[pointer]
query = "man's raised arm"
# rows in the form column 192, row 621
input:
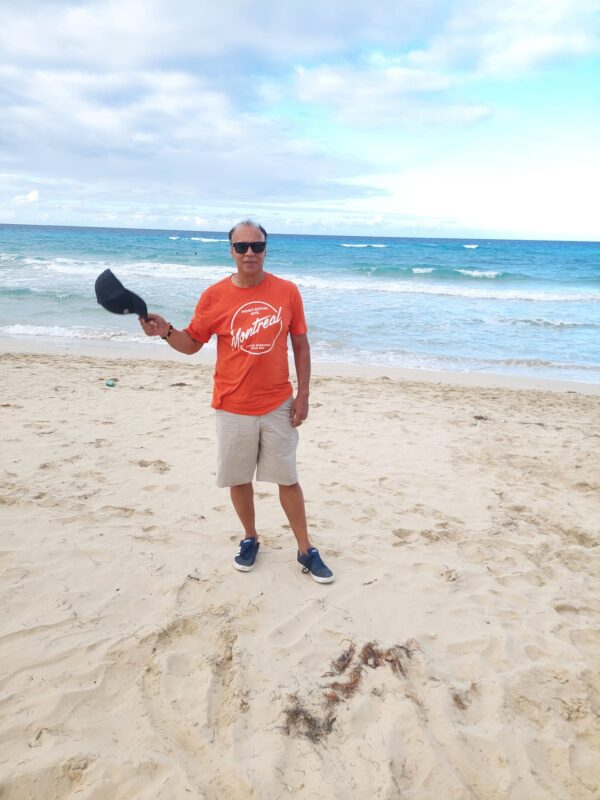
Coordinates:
column 181, row 341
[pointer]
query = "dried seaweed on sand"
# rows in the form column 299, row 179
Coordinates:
column 318, row 723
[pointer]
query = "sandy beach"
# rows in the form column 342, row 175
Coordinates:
column 454, row 658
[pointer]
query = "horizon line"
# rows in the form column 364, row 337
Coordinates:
column 314, row 235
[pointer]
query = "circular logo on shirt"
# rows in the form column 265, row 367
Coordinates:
column 255, row 327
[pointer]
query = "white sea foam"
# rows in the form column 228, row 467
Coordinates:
column 173, row 238
column 204, row 239
column 164, row 269
column 139, row 276
column 401, row 287
column 75, row 332
column 422, row 270
column 363, row 245
column 79, row 332
column 124, row 271
column 471, row 246
column 474, row 273
column 539, row 322
column 66, row 266
column 541, row 362
column 323, row 351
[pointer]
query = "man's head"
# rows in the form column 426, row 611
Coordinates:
column 248, row 250
column 251, row 224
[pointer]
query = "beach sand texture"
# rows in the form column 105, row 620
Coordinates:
column 455, row 657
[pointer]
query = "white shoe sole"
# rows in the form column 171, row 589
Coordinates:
column 320, row 580
column 242, row 568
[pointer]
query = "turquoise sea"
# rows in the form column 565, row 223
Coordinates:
column 514, row 307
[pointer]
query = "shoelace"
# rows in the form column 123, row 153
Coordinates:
column 312, row 558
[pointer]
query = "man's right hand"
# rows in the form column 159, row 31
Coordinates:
column 155, row 325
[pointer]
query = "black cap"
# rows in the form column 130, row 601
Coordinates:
column 113, row 296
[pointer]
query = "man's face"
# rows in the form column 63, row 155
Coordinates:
column 249, row 265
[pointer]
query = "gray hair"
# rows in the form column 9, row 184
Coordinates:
column 248, row 222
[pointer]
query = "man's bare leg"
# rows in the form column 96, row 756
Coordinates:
column 292, row 502
column 242, row 497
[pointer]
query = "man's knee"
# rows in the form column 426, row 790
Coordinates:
column 242, row 487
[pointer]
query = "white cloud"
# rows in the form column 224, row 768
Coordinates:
column 215, row 109
column 145, row 128
column 380, row 96
column 535, row 193
column 136, row 33
column 30, row 197
column 478, row 40
column 115, row 110
column 509, row 38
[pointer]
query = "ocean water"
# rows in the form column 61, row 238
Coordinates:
column 514, row 307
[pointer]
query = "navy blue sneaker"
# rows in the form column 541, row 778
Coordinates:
column 246, row 555
column 313, row 563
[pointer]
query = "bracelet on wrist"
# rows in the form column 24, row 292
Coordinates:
column 170, row 331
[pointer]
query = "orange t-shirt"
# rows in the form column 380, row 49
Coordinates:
column 252, row 326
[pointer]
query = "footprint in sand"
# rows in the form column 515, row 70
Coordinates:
column 156, row 466
column 404, row 536
column 389, row 485
column 193, row 695
column 450, row 575
column 119, row 511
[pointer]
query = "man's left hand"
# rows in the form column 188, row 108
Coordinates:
column 299, row 411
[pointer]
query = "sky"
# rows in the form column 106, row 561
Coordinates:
column 473, row 118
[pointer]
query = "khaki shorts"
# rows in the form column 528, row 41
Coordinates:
column 266, row 444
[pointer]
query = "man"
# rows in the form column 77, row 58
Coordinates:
column 252, row 312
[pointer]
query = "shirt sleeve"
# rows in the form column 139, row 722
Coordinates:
column 298, row 324
column 200, row 325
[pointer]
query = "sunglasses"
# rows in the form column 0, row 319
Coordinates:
column 242, row 247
